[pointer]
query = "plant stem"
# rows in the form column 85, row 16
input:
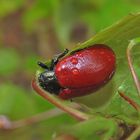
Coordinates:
column 134, row 75
column 37, row 118
column 60, row 103
column 130, row 101
column 6, row 124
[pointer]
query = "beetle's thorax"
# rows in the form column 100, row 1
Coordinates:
column 48, row 81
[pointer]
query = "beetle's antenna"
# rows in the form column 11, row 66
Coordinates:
column 42, row 65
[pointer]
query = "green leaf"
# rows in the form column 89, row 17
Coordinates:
column 117, row 105
column 103, row 15
column 98, row 127
column 117, row 37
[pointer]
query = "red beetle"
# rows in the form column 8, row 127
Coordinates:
column 81, row 73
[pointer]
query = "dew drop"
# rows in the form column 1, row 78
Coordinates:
column 59, row 69
column 74, row 61
column 81, row 55
column 75, row 71
column 63, row 66
column 102, row 52
column 67, row 91
column 109, row 59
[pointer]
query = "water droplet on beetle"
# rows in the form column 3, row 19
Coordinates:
column 81, row 55
column 109, row 59
column 63, row 66
column 59, row 69
column 67, row 91
column 75, row 71
column 74, row 61
column 102, row 52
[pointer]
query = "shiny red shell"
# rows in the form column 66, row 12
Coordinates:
column 85, row 71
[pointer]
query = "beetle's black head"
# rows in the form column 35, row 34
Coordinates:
column 47, row 80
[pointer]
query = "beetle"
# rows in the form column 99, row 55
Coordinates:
column 80, row 73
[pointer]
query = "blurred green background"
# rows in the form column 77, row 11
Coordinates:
column 32, row 30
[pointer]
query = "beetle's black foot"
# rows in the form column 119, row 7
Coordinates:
column 65, row 51
column 42, row 65
column 57, row 57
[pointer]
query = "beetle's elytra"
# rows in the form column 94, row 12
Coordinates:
column 79, row 74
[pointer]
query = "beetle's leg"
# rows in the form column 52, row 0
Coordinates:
column 57, row 57
column 42, row 65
